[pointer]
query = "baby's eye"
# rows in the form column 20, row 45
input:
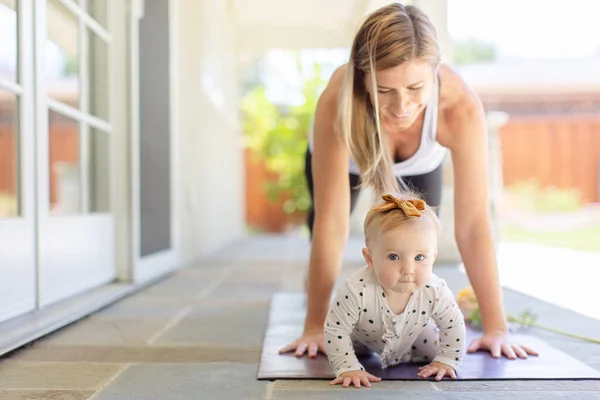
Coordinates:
column 420, row 257
column 384, row 91
column 394, row 257
column 416, row 89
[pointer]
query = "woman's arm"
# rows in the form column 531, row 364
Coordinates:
column 331, row 203
column 332, row 215
column 466, row 123
column 471, row 209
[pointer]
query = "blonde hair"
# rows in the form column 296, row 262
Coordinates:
column 390, row 36
column 391, row 213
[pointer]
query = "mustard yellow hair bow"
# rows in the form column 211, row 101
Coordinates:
column 410, row 207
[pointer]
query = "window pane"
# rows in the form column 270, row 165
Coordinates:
column 97, row 9
column 62, row 54
column 9, row 155
column 8, row 40
column 65, row 185
column 98, row 75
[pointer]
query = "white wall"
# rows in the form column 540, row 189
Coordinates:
column 210, row 162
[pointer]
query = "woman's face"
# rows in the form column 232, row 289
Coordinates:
column 403, row 92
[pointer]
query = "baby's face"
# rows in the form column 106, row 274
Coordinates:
column 402, row 258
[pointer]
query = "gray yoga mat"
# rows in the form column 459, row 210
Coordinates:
column 285, row 321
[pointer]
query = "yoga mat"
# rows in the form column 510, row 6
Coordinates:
column 286, row 318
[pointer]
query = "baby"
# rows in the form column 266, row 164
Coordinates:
column 394, row 305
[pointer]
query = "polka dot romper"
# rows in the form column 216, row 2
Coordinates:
column 431, row 328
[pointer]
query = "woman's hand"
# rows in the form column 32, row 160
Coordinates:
column 500, row 344
column 437, row 369
column 355, row 377
column 313, row 341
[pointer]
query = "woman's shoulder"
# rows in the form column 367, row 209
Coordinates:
column 327, row 110
column 459, row 104
column 334, row 86
column 455, row 92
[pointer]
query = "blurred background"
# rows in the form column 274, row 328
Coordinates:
column 539, row 80
column 536, row 67
column 138, row 136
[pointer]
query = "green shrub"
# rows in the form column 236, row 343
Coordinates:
column 279, row 136
column 529, row 196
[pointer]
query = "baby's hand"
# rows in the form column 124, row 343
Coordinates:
column 437, row 368
column 355, row 377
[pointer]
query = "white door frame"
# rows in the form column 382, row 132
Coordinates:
column 152, row 266
column 75, row 252
column 132, row 271
column 17, row 235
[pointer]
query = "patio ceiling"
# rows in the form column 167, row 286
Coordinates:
column 267, row 24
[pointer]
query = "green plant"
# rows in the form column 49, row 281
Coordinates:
column 471, row 50
column 577, row 238
column 530, row 196
column 279, row 136
column 525, row 319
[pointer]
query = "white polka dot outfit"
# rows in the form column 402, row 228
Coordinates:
column 360, row 320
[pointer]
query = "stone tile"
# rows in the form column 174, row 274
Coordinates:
column 140, row 354
column 337, row 393
column 552, row 316
column 187, row 382
column 76, row 376
column 526, row 395
column 501, row 386
column 105, row 331
column 142, row 306
column 455, row 278
column 282, row 249
column 244, row 264
column 184, row 285
column 45, row 394
column 294, row 281
column 378, row 394
column 240, row 323
column 208, row 264
column 587, row 352
column 314, row 384
column 259, row 283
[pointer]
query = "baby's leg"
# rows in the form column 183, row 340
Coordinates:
column 427, row 345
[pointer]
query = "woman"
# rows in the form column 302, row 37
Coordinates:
column 424, row 110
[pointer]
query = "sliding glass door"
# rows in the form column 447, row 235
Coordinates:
column 17, row 185
column 73, row 69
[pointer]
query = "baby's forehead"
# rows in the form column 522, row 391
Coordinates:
column 415, row 234
column 399, row 226
column 407, row 232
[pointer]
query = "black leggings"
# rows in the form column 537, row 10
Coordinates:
column 428, row 185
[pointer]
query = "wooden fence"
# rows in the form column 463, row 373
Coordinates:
column 562, row 152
